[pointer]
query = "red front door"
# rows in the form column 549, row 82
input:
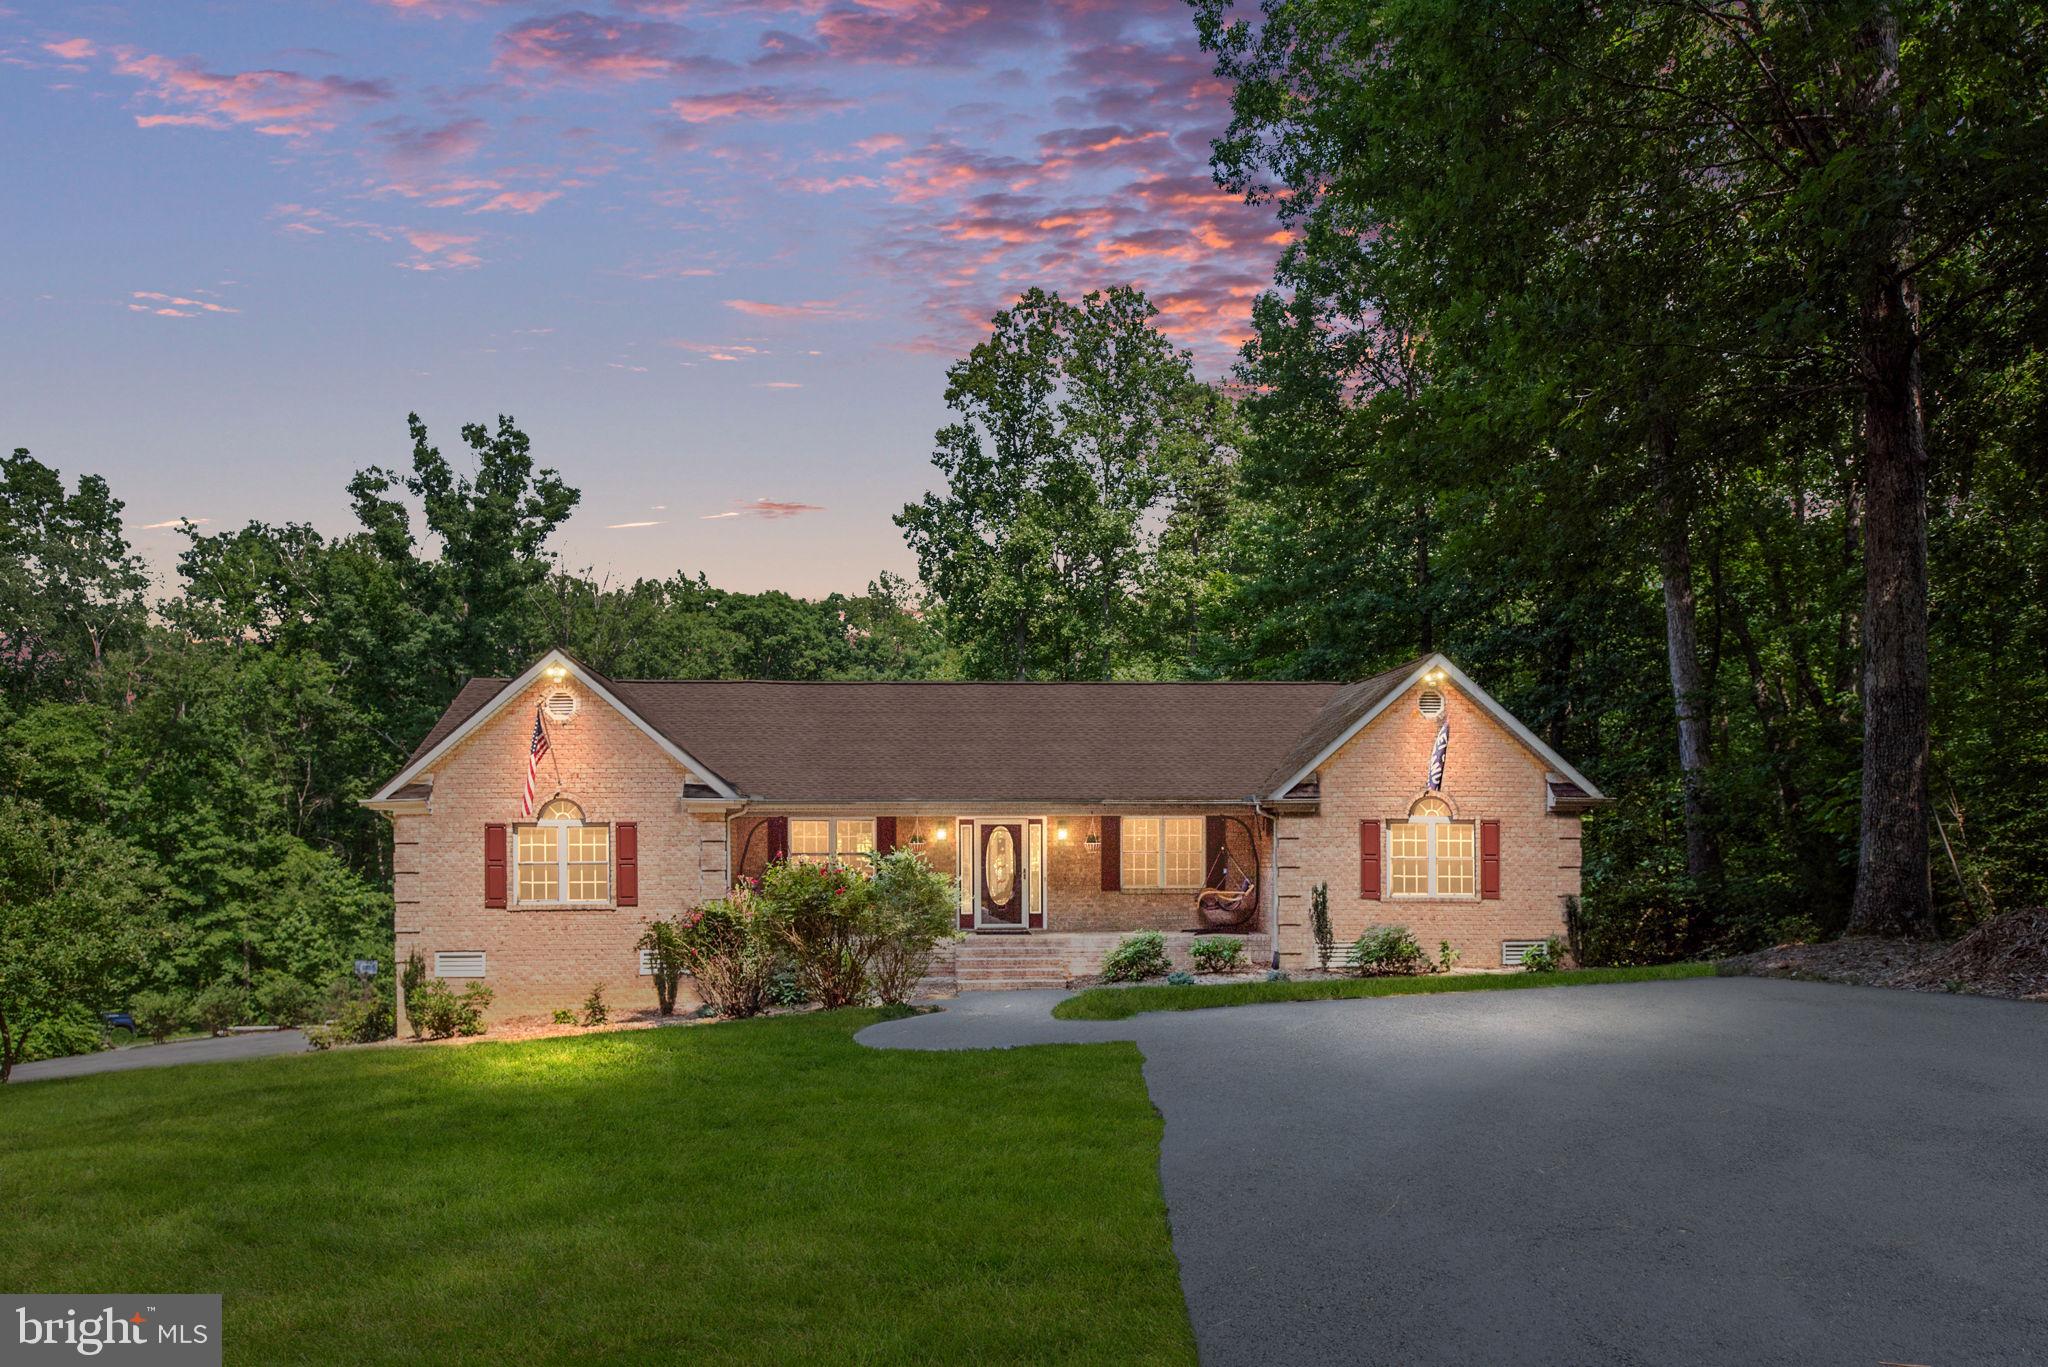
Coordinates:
column 1001, row 900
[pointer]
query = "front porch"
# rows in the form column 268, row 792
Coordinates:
column 1052, row 959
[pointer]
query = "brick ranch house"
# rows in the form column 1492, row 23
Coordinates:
column 1071, row 813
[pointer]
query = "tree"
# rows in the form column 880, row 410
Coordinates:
column 76, row 923
column 70, row 588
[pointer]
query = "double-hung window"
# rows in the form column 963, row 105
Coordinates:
column 562, row 860
column 1429, row 854
column 1162, row 853
column 820, row 841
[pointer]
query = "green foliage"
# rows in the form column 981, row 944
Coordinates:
column 160, row 1015
column 563, row 1016
column 825, row 915
column 72, row 1029
column 912, row 908
column 1385, row 950
column 595, row 1012
column 415, row 977
column 1218, row 954
column 1547, row 957
column 220, row 1006
column 1319, row 926
column 1180, row 977
column 1121, row 1003
column 1136, row 957
column 441, row 1014
column 785, row 988
column 730, row 947
column 1277, row 975
column 662, row 942
column 365, row 1020
column 280, row 999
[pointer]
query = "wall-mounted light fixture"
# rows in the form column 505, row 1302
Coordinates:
column 1060, row 832
column 555, row 673
column 938, row 832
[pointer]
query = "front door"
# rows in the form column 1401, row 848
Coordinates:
column 1001, row 897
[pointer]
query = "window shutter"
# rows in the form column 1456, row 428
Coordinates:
column 626, row 852
column 1215, row 835
column 1369, row 860
column 885, row 834
column 778, row 838
column 1489, row 860
column 494, row 864
column 1112, row 854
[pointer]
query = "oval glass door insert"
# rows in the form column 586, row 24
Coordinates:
column 1001, row 866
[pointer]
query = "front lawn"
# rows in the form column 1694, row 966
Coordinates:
column 762, row 1191
column 1118, row 1003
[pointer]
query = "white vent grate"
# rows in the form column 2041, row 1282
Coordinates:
column 1431, row 703
column 465, row 963
column 646, row 963
column 1511, row 951
column 560, row 705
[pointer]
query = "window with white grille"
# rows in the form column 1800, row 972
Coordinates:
column 1430, row 855
column 563, row 860
column 1162, row 852
column 818, row 841
column 459, row 963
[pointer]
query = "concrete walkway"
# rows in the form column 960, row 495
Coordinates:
column 222, row 1050
column 1708, row 1171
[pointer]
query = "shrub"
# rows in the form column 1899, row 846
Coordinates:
column 564, row 1016
column 414, row 976
column 730, row 951
column 825, row 915
column 1180, row 978
column 662, row 942
column 220, row 1007
column 361, row 1021
column 1446, row 957
column 160, row 1015
column 1547, row 957
column 1136, row 956
column 281, row 999
column 1218, row 954
column 73, row 1028
column 595, row 1012
column 911, row 912
column 442, row 1014
column 1277, row 975
column 785, row 988
column 1385, row 950
column 1319, row 924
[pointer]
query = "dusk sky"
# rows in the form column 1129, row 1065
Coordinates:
column 714, row 257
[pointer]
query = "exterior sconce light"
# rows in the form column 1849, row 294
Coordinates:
column 1060, row 833
column 938, row 832
column 555, row 673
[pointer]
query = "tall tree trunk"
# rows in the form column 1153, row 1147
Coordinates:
column 1689, row 695
column 1894, row 894
column 1894, row 889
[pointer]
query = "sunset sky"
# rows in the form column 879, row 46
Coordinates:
column 715, row 257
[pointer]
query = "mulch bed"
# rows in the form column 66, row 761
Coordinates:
column 2007, row 956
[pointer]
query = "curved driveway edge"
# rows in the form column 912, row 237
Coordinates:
column 222, row 1050
column 1708, row 1170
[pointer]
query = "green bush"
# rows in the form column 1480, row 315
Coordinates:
column 1218, row 954
column 1136, row 957
column 219, row 1008
column 160, row 1015
column 1547, row 957
column 1180, row 978
column 442, row 1014
column 1385, row 950
column 730, row 949
column 1319, row 926
column 825, row 916
column 414, row 976
column 1446, row 957
column 785, row 988
column 281, row 999
column 911, row 912
column 363, row 1020
column 595, row 1012
column 73, row 1028
column 662, row 943
column 564, row 1016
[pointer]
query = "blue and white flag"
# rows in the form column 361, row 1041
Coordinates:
column 1437, row 754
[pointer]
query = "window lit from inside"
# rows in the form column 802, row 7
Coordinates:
column 821, row 841
column 1430, row 855
column 562, row 860
column 1162, row 852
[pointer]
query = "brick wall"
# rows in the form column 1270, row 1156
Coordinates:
column 1490, row 775
column 539, row 959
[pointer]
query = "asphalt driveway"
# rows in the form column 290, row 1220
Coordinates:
column 222, row 1050
column 1727, row 1170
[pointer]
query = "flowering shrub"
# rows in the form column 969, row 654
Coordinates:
column 912, row 912
column 825, row 914
column 728, row 946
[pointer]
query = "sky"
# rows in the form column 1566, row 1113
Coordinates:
column 713, row 255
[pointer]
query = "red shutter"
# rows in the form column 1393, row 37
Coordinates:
column 1112, row 854
column 963, row 862
column 494, row 864
column 1489, row 860
column 1369, row 860
column 1214, row 837
column 626, row 836
column 885, row 834
column 778, row 838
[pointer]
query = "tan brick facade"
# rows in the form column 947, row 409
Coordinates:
column 1490, row 776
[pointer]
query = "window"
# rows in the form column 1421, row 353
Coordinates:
column 563, row 860
column 459, row 963
column 819, row 841
column 1162, row 852
column 1430, row 855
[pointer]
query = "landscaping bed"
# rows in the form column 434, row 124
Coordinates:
column 1119, row 1003
column 2007, row 956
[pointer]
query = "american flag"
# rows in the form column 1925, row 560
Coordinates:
column 1437, row 754
column 535, row 748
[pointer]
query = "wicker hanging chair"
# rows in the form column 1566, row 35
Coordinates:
column 1229, row 899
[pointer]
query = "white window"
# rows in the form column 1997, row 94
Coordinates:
column 562, row 860
column 821, row 841
column 1430, row 855
column 459, row 963
column 1162, row 852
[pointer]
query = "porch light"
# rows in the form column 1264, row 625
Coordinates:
column 555, row 673
column 938, row 832
column 1060, row 832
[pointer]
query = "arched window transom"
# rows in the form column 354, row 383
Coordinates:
column 563, row 859
column 1431, row 855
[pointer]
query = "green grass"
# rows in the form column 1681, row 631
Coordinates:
column 1119, row 1003
column 762, row 1191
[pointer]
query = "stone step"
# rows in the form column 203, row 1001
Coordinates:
column 1013, row 985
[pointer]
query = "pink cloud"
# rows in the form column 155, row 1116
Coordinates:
column 820, row 310
column 756, row 102
column 72, row 49
column 176, row 305
column 517, row 202
column 278, row 103
column 411, row 144
column 766, row 508
column 578, row 46
column 440, row 251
